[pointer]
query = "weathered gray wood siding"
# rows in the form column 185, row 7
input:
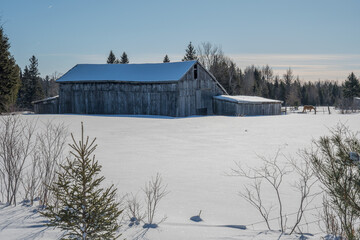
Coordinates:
column 195, row 95
column 119, row 98
column 47, row 107
column 222, row 107
column 186, row 97
column 356, row 102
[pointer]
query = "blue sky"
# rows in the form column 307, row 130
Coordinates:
column 319, row 39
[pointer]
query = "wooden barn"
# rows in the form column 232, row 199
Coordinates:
column 245, row 106
column 176, row 89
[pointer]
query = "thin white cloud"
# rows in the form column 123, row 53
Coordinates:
column 309, row 67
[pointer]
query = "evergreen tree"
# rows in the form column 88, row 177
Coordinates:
column 111, row 59
column 351, row 87
column 282, row 92
column 124, row 58
column 304, row 95
column 49, row 85
column 31, row 88
column 257, row 88
column 83, row 209
column 190, row 53
column 166, row 59
column 294, row 96
column 9, row 74
column 336, row 165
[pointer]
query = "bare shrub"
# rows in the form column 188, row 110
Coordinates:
column 134, row 209
column 27, row 159
column 154, row 191
column 273, row 173
column 17, row 142
column 303, row 185
column 31, row 179
column 330, row 219
column 51, row 146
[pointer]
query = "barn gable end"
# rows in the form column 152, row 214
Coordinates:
column 195, row 94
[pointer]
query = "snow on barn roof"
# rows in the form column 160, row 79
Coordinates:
column 147, row 72
column 45, row 99
column 246, row 99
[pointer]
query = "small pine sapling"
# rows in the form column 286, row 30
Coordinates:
column 83, row 208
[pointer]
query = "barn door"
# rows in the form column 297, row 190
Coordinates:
column 200, row 102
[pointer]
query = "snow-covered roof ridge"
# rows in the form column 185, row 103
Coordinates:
column 246, row 99
column 145, row 72
column 45, row 99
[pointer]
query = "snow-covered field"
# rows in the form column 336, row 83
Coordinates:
column 194, row 156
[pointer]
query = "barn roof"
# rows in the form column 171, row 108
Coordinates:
column 147, row 72
column 246, row 99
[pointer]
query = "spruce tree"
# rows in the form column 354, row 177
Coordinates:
column 9, row 74
column 351, row 87
column 166, row 59
column 83, row 208
column 124, row 58
column 31, row 88
column 190, row 53
column 111, row 59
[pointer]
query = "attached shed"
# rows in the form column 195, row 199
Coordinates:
column 245, row 106
column 172, row 89
column 47, row 106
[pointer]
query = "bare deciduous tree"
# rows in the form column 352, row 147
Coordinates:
column 303, row 185
column 252, row 194
column 209, row 54
column 16, row 145
column 154, row 191
column 273, row 173
column 51, row 146
column 31, row 179
column 134, row 209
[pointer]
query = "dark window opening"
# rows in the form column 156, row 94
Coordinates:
column 195, row 71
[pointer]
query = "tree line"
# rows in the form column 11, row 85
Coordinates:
column 261, row 81
column 19, row 88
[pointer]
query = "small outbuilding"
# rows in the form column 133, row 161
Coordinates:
column 245, row 106
column 47, row 106
column 356, row 103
